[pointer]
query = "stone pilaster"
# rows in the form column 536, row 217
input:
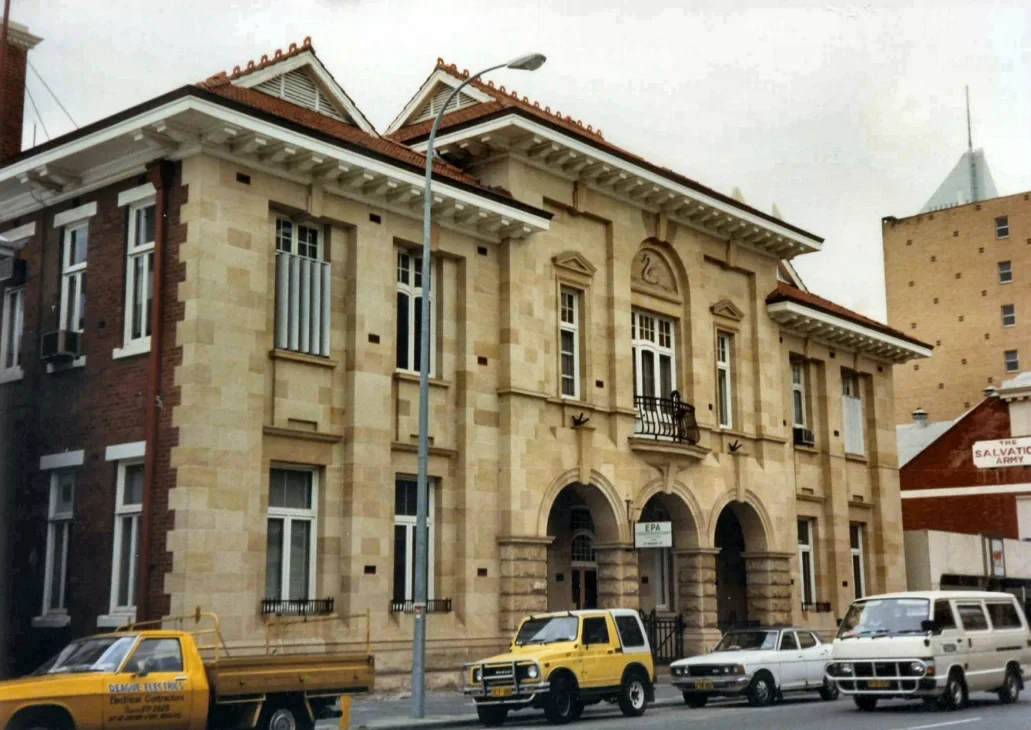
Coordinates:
column 524, row 579
column 618, row 581
column 769, row 587
column 696, row 597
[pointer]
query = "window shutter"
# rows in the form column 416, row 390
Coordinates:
column 298, row 87
column 435, row 102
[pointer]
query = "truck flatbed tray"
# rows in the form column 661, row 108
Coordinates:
column 311, row 673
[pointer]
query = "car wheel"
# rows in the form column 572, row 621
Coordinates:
column 695, row 700
column 633, row 697
column 865, row 703
column 955, row 693
column 1010, row 690
column 829, row 690
column 762, row 692
column 282, row 718
column 492, row 716
column 561, row 701
column 578, row 710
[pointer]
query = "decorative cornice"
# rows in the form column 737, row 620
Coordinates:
column 726, row 308
column 18, row 35
column 575, row 262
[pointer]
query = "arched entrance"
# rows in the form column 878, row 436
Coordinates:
column 580, row 519
column 661, row 568
column 739, row 530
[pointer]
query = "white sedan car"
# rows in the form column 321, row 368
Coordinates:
column 758, row 663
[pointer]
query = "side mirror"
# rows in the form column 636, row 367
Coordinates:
column 929, row 626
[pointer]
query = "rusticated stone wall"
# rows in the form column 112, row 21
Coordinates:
column 769, row 587
column 618, row 585
column 524, row 579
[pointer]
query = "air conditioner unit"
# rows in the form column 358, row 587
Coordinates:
column 804, row 437
column 12, row 271
column 61, row 345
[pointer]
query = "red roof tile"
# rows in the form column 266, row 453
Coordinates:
column 787, row 292
column 222, row 78
column 509, row 100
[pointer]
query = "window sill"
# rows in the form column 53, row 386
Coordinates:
column 858, row 458
column 298, row 433
column 51, row 621
column 114, row 620
column 79, row 362
column 318, row 360
column 806, row 448
column 137, row 347
column 11, row 376
column 411, row 377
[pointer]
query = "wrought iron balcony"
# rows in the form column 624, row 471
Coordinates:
column 433, row 605
column 297, row 606
column 668, row 419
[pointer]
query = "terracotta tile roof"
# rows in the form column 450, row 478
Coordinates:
column 222, row 84
column 222, row 78
column 510, row 101
column 787, row 292
column 341, row 130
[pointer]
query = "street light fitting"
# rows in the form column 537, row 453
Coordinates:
column 529, row 62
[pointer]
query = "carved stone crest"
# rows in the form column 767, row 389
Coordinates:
column 651, row 270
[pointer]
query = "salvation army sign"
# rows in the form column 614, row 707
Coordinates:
column 1002, row 452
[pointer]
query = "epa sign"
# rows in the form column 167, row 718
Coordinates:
column 1002, row 452
column 653, row 534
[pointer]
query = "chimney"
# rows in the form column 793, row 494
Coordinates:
column 13, row 56
column 920, row 418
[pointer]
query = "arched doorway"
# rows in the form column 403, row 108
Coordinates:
column 661, row 568
column 580, row 518
column 738, row 530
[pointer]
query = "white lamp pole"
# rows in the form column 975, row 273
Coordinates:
column 530, row 62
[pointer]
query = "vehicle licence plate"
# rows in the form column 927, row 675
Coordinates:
column 501, row 692
column 878, row 684
column 703, row 684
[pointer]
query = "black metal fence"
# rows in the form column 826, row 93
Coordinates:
column 434, row 605
column 666, row 418
column 297, row 606
column 666, row 636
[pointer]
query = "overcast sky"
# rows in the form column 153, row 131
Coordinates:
column 841, row 114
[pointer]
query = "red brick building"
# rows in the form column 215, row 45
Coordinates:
column 944, row 487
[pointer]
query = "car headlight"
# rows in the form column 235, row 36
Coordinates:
column 916, row 667
column 532, row 672
column 477, row 675
column 739, row 669
column 844, row 668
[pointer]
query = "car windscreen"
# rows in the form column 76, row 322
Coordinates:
column 885, row 617
column 747, row 640
column 547, row 630
column 98, row 654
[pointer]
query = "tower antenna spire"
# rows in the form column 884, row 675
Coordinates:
column 970, row 152
column 970, row 137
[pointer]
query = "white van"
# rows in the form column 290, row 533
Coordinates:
column 935, row 645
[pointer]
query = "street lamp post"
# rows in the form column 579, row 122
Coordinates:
column 530, row 62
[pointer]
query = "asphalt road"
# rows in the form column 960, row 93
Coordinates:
column 803, row 713
column 798, row 712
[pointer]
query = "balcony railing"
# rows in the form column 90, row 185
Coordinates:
column 817, row 607
column 668, row 419
column 433, row 605
column 297, row 606
column 302, row 304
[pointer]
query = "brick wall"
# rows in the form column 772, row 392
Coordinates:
column 13, row 110
column 88, row 408
column 961, row 316
column 949, row 462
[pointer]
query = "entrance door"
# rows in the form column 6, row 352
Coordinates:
column 663, row 589
column 585, row 588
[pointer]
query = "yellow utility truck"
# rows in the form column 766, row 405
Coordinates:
column 143, row 677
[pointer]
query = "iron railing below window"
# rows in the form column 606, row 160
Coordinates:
column 666, row 418
column 433, row 605
column 296, row 606
column 817, row 607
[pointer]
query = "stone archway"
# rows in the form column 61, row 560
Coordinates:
column 589, row 561
column 752, row 583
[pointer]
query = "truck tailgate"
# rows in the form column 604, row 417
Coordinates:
column 312, row 673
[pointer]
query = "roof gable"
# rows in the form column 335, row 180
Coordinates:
column 298, row 77
column 432, row 95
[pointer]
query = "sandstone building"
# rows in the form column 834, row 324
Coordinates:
column 957, row 276
column 226, row 415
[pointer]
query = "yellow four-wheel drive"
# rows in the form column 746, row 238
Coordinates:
column 560, row 662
